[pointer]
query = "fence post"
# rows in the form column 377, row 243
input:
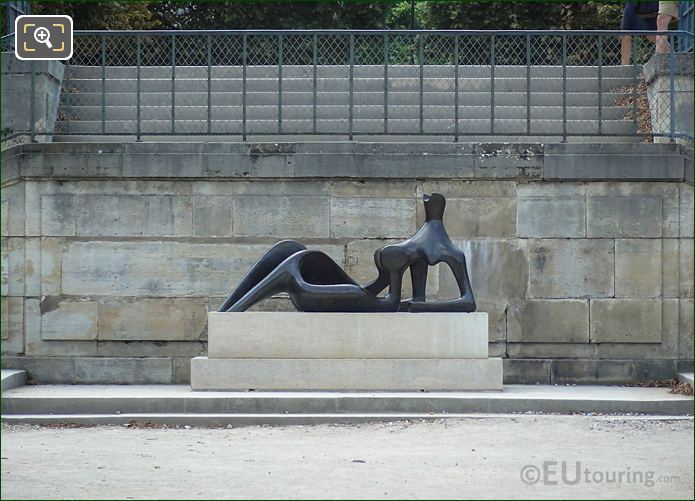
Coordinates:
column 672, row 90
column 68, row 91
column 352, row 83
column 173, row 83
column 32, row 104
column 564, row 87
column 137, row 93
column 386, row 83
column 528, row 84
column 244, row 57
column 492, row 84
column 600, row 83
column 635, row 40
column 279, row 83
column 421, row 59
column 103, row 84
column 209, row 59
column 314, row 57
column 456, row 87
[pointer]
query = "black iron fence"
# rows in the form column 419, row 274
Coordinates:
column 357, row 83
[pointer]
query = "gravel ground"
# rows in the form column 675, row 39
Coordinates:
column 477, row 457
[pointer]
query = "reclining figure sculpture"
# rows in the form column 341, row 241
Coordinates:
column 316, row 283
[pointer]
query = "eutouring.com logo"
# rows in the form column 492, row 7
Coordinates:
column 573, row 473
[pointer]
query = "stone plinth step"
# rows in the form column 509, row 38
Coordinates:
column 178, row 404
column 346, row 351
column 12, row 379
column 347, row 335
column 686, row 377
column 235, row 420
column 404, row 374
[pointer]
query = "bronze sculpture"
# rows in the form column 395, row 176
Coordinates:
column 316, row 283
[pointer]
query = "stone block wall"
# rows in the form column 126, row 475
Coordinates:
column 17, row 96
column 112, row 254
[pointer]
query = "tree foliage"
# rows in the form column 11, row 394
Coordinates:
column 335, row 14
column 113, row 15
column 521, row 15
column 269, row 15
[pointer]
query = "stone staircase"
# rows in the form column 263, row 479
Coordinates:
column 104, row 101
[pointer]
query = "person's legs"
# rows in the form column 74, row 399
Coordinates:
column 668, row 11
column 625, row 49
column 662, row 22
column 628, row 23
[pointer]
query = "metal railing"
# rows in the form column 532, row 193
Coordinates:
column 368, row 83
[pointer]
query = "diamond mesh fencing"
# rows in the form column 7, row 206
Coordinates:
column 545, row 84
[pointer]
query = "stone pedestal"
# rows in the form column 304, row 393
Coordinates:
column 347, row 351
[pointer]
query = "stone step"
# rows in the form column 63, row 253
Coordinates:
column 12, row 379
column 373, row 71
column 270, row 112
column 254, row 98
column 395, row 84
column 91, row 138
column 686, row 377
column 340, row 126
column 119, row 403
column 239, row 420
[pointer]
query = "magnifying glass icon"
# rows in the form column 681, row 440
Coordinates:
column 42, row 35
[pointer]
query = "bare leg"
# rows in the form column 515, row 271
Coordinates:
column 262, row 268
column 662, row 45
column 625, row 49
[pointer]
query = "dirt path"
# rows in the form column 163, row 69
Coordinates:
column 467, row 458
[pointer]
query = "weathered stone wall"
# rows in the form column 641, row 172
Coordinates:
column 17, row 96
column 659, row 75
column 113, row 253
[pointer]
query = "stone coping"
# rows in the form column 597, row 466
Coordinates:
column 659, row 65
column 348, row 159
column 12, row 65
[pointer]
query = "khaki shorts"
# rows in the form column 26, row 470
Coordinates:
column 669, row 8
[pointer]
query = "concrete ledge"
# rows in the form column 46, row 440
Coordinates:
column 238, row 420
column 686, row 377
column 660, row 65
column 347, row 335
column 12, row 379
column 346, row 374
column 689, row 166
column 599, row 162
column 347, row 159
column 94, row 370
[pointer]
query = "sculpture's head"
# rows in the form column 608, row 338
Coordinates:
column 434, row 206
